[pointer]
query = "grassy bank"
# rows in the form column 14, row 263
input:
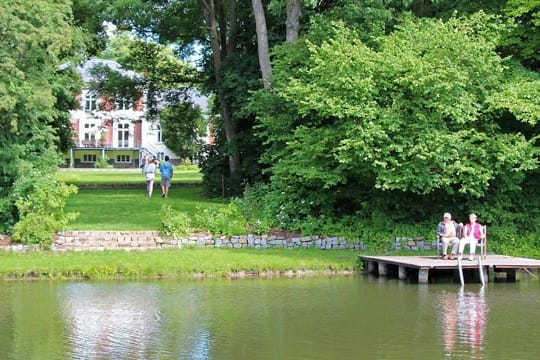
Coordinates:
column 121, row 176
column 129, row 209
column 170, row 263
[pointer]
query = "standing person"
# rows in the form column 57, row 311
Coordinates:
column 166, row 170
column 472, row 236
column 150, row 174
column 447, row 230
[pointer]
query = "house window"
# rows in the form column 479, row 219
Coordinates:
column 90, row 101
column 89, row 135
column 159, row 134
column 123, row 104
column 123, row 158
column 123, row 135
column 89, row 158
column 160, row 156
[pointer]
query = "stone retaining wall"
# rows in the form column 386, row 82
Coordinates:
column 143, row 240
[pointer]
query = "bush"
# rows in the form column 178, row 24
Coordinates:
column 102, row 163
column 40, row 201
column 224, row 221
column 174, row 223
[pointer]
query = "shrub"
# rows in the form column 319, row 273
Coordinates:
column 224, row 221
column 102, row 163
column 40, row 200
column 174, row 223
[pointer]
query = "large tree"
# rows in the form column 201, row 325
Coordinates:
column 36, row 38
column 412, row 124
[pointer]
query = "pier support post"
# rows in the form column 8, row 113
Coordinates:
column 382, row 269
column 402, row 272
column 511, row 275
column 485, row 270
column 371, row 267
column 423, row 276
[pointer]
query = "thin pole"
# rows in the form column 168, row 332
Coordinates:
column 460, row 270
column 481, row 270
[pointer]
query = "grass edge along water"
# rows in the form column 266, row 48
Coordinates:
column 172, row 263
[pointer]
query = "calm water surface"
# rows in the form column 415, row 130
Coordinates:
column 315, row 318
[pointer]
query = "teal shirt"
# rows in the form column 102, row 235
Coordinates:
column 166, row 169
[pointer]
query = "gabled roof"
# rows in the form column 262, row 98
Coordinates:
column 86, row 74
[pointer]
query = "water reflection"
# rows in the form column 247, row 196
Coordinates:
column 119, row 321
column 463, row 317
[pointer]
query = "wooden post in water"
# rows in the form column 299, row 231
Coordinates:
column 402, row 273
column 371, row 267
column 423, row 276
column 382, row 269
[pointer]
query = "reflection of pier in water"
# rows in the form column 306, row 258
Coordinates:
column 463, row 317
column 425, row 267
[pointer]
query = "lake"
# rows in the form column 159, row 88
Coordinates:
column 357, row 317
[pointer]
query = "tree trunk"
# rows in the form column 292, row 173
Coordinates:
column 262, row 43
column 294, row 11
column 219, row 50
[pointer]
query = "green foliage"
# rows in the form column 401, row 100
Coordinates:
column 40, row 200
column 221, row 221
column 37, row 37
column 524, row 40
column 102, row 163
column 174, row 223
column 421, row 121
column 183, row 125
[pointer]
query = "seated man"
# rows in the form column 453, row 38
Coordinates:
column 472, row 235
column 447, row 231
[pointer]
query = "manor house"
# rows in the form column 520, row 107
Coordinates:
column 112, row 128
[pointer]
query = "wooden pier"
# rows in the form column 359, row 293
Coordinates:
column 423, row 268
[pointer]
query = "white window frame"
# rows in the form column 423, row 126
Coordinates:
column 122, row 135
column 159, row 133
column 89, row 158
column 90, row 102
column 89, row 132
column 122, row 103
column 121, row 158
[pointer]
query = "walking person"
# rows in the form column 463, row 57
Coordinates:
column 150, row 174
column 166, row 170
column 472, row 235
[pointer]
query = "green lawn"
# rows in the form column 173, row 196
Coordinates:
column 121, row 176
column 169, row 263
column 130, row 209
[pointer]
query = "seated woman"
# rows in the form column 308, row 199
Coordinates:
column 472, row 234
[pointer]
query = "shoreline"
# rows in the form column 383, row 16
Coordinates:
column 236, row 275
column 186, row 263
